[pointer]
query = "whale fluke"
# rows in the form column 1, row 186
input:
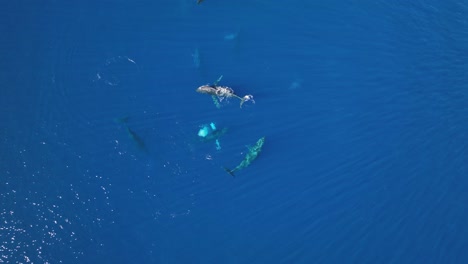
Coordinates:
column 231, row 172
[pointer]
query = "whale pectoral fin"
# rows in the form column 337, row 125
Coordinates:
column 215, row 101
column 219, row 79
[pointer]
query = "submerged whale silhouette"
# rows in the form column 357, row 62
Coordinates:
column 251, row 156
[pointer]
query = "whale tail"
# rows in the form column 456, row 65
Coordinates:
column 246, row 98
column 231, row 172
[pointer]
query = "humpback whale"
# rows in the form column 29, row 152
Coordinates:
column 223, row 92
column 251, row 156
column 133, row 135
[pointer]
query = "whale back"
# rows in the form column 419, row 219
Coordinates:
column 207, row 89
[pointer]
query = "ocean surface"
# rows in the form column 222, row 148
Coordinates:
column 363, row 106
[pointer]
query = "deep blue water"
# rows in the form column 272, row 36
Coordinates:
column 363, row 105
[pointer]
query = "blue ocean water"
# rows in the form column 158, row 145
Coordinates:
column 362, row 104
